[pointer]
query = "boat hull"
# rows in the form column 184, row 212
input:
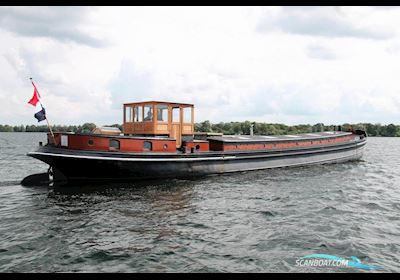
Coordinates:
column 82, row 166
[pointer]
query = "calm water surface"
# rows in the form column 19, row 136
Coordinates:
column 260, row 221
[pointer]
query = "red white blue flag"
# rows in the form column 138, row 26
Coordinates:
column 40, row 112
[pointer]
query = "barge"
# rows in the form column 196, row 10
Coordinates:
column 158, row 141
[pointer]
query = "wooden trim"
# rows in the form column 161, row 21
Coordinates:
column 159, row 102
column 124, row 114
column 181, row 121
column 154, row 118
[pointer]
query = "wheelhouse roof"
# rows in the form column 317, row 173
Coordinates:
column 159, row 102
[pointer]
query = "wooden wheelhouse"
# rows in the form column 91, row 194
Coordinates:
column 157, row 118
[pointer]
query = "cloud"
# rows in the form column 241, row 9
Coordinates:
column 23, row 62
column 71, row 91
column 320, row 52
column 229, row 69
column 130, row 85
column 58, row 23
column 319, row 21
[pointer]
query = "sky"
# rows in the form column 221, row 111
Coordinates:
column 292, row 65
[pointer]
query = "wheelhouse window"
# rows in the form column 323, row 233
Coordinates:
column 162, row 113
column 114, row 145
column 176, row 114
column 148, row 113
column 187, row 115
column 128, row 114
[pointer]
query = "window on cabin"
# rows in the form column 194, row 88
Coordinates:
column 128, row 114
column 114, row 145
column 148, row 113
column 187, row 115
column 175, row 114
column 147, row 146
column 162, row 113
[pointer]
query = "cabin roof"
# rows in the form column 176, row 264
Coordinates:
column 159, row 102
column 271, row 138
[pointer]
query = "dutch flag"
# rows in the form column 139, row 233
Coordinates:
column 40, row 112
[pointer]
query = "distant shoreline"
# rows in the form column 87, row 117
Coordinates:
column 230, row 128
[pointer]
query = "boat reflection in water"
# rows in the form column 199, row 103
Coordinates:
column 158, row 141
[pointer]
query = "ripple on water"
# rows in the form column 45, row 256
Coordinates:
column 259, row 221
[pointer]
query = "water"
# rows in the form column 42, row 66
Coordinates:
column 260, row 221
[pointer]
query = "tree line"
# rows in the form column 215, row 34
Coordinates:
column 85, row 128
column 230, row 128
column 389, row 130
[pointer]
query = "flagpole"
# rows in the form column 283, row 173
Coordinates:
column 51, row 131
column 48, row 124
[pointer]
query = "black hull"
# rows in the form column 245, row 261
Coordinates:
column 73, row 166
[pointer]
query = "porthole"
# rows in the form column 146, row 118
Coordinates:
column 90, row 142
column 197, row 147
column 165, row 146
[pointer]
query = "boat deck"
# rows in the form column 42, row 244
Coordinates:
column 264, row 138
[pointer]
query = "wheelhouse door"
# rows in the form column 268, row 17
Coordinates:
column 176, row 128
